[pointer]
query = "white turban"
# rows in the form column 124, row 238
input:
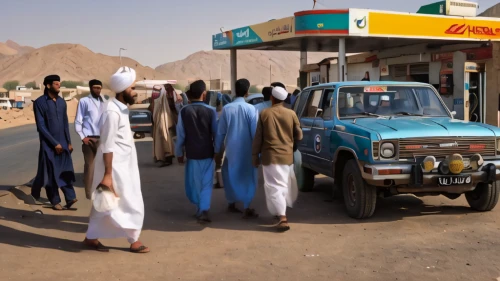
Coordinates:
column 122, row 79
column 280, row 93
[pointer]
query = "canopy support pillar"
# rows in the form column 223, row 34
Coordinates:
column 302, row 75
column 234, row 66
column 342, row 61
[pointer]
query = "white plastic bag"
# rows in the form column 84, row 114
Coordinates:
column 104, row 200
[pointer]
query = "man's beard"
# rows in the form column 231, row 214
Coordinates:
column 128, row 99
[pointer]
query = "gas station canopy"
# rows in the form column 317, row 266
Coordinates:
column 363, row 30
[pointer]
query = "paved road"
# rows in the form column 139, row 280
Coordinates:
column 408, row 238
column 19, row 148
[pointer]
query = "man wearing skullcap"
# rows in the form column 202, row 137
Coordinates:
column 278, row 130
column 116, row 169
column 55, row 166
column 287, row 102
column 87, row 127
column 236, row 131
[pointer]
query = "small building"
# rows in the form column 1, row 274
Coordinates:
column 4, row 93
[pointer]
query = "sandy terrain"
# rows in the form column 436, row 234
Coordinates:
column 18, row 117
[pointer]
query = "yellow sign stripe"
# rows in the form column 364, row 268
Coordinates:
column 407, row 25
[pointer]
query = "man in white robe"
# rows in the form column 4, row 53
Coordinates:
column 116, row 167
column 278, row 129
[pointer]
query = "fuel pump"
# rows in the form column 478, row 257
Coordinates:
column 474, row 93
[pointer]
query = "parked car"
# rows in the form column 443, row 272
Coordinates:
column 5, row 103
column 141, row 122
column 254, row 98
column 379, row 139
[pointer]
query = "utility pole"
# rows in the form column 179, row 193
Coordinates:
column 270, row 71
column 120, row 54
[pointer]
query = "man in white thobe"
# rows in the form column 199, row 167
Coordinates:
column 116, row 167
column 278, row 130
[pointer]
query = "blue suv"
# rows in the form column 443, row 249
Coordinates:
column 379, row 139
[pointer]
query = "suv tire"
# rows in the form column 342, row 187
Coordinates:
column 304, row 176
column 484, row 197
column 360, row 198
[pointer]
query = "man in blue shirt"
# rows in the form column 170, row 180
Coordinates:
column 237, row 125
column 266, row 92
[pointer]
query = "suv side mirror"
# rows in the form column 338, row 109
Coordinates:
column 453, row 113
column 339, row 128
column 319, row 111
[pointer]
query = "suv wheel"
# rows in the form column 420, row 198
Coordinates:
column 484, row 197
column 304, row 176
column 360, row 198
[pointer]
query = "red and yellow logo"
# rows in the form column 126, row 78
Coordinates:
column 462, row 29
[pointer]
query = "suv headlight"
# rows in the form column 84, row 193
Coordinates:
column 498, row 145
column 387, row 150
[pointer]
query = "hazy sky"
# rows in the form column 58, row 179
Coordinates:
column 156, row 31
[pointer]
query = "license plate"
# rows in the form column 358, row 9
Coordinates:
column 454, row 180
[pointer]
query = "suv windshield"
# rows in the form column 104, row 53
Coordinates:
column 376, row 101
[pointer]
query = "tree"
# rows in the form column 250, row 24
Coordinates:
column 71, row 84
column 30, row 85
column 11, row 85
column 253, row 90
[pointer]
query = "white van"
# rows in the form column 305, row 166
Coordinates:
column 5, row 103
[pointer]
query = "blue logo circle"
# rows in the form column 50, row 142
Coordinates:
column 317, row 143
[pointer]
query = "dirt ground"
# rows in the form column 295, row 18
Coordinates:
column 408, row 238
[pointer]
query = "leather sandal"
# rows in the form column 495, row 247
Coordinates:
column 141, row 250
column 283, row 226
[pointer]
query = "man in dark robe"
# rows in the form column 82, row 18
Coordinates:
column 55, row 166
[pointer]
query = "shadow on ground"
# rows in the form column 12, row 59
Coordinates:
column 168, row 210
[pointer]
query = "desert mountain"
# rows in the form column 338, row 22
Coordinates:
column 71, row 61
column 253, row 65
column 11, row 48
column 20, row 49
column 78, row 63
column 6, row 50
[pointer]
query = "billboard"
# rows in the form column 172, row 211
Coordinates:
column 273, row 30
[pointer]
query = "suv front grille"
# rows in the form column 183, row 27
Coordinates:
column 445, row 146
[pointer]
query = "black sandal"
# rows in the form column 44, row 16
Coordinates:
column 250, row 214
column 204, row 218
column 98, row 247
column 232, row 209
column 141, row 250
column 71, row 203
